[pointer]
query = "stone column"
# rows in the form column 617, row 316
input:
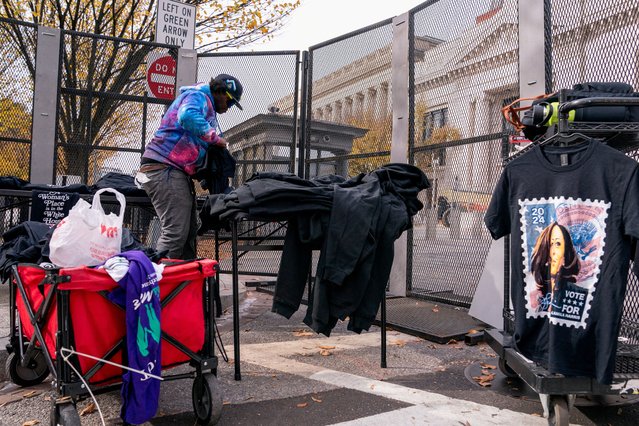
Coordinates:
column 328, row 113
column 338, row 112
column 348, row 108
column 371, row 102
column 382, row 100
column 359, row 105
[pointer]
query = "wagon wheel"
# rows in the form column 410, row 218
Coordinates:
column 34, row 373
column 559, row 412
column 207, row 399
column 64, row 415
column 505, row 368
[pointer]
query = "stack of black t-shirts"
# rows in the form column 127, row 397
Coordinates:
column 353, row 223
column 120, row 182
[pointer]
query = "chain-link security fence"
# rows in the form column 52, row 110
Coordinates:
column 262, row 137
column 105, row 115
column 597, row 41
column 17, row 71
column 594, row 41
column 464, row 68
column 349, row 108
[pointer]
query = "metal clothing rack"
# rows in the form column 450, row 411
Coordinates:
column 236, row 248
column 596, row 130
column 557, row 392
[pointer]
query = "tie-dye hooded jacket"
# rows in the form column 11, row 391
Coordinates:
column 187, row 129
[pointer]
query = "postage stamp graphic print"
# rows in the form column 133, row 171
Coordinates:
column 563, row 242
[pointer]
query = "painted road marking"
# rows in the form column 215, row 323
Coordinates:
column 429, row 407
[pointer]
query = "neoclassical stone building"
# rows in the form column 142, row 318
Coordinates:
column 464, row 81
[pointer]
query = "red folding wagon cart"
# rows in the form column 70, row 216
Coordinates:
column 54, row 311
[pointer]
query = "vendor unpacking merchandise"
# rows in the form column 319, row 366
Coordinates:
column 179, row 152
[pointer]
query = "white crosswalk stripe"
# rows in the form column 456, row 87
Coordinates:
column 428, row 407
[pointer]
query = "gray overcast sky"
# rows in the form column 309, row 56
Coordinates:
column 316, row 21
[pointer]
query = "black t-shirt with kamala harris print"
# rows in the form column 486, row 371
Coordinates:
column 572, row 213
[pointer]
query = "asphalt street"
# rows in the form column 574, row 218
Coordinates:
column 292, row 376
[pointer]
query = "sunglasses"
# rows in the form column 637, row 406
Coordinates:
column 230, row 101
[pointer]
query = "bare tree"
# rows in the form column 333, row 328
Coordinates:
column 94, row 67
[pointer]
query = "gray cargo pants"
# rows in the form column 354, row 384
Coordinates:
column 173, row 196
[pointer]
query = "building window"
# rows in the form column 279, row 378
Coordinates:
column 435, row 119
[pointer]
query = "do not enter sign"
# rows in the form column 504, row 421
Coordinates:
column 160, row 77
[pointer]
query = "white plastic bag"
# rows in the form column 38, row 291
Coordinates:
column 88, row 236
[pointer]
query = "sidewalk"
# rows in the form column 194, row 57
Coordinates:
column 292, row 376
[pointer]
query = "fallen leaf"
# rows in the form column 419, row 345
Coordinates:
column 452, row 342
column 464, row 423
column 301, row 333
column 316, row 399
column 484, row 379
column 472, row 331
column 247, row 329
column 302, row 405
column 326, row 347
column 30, row 394
column 226, row 403
column 435, row 309
column 398, row 342
column 372, row 386
column 30, row 423
column 431, row 347
column 325, row 352
column 90, row 408
column 537, row 415
column 489, row 366
column 47, row 398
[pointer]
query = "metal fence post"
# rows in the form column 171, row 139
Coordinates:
column 532, row 68
column 304, row 117
column 400, row 134
column 45, row 105
column 186, row 74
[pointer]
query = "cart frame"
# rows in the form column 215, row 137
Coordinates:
column 28, row 356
